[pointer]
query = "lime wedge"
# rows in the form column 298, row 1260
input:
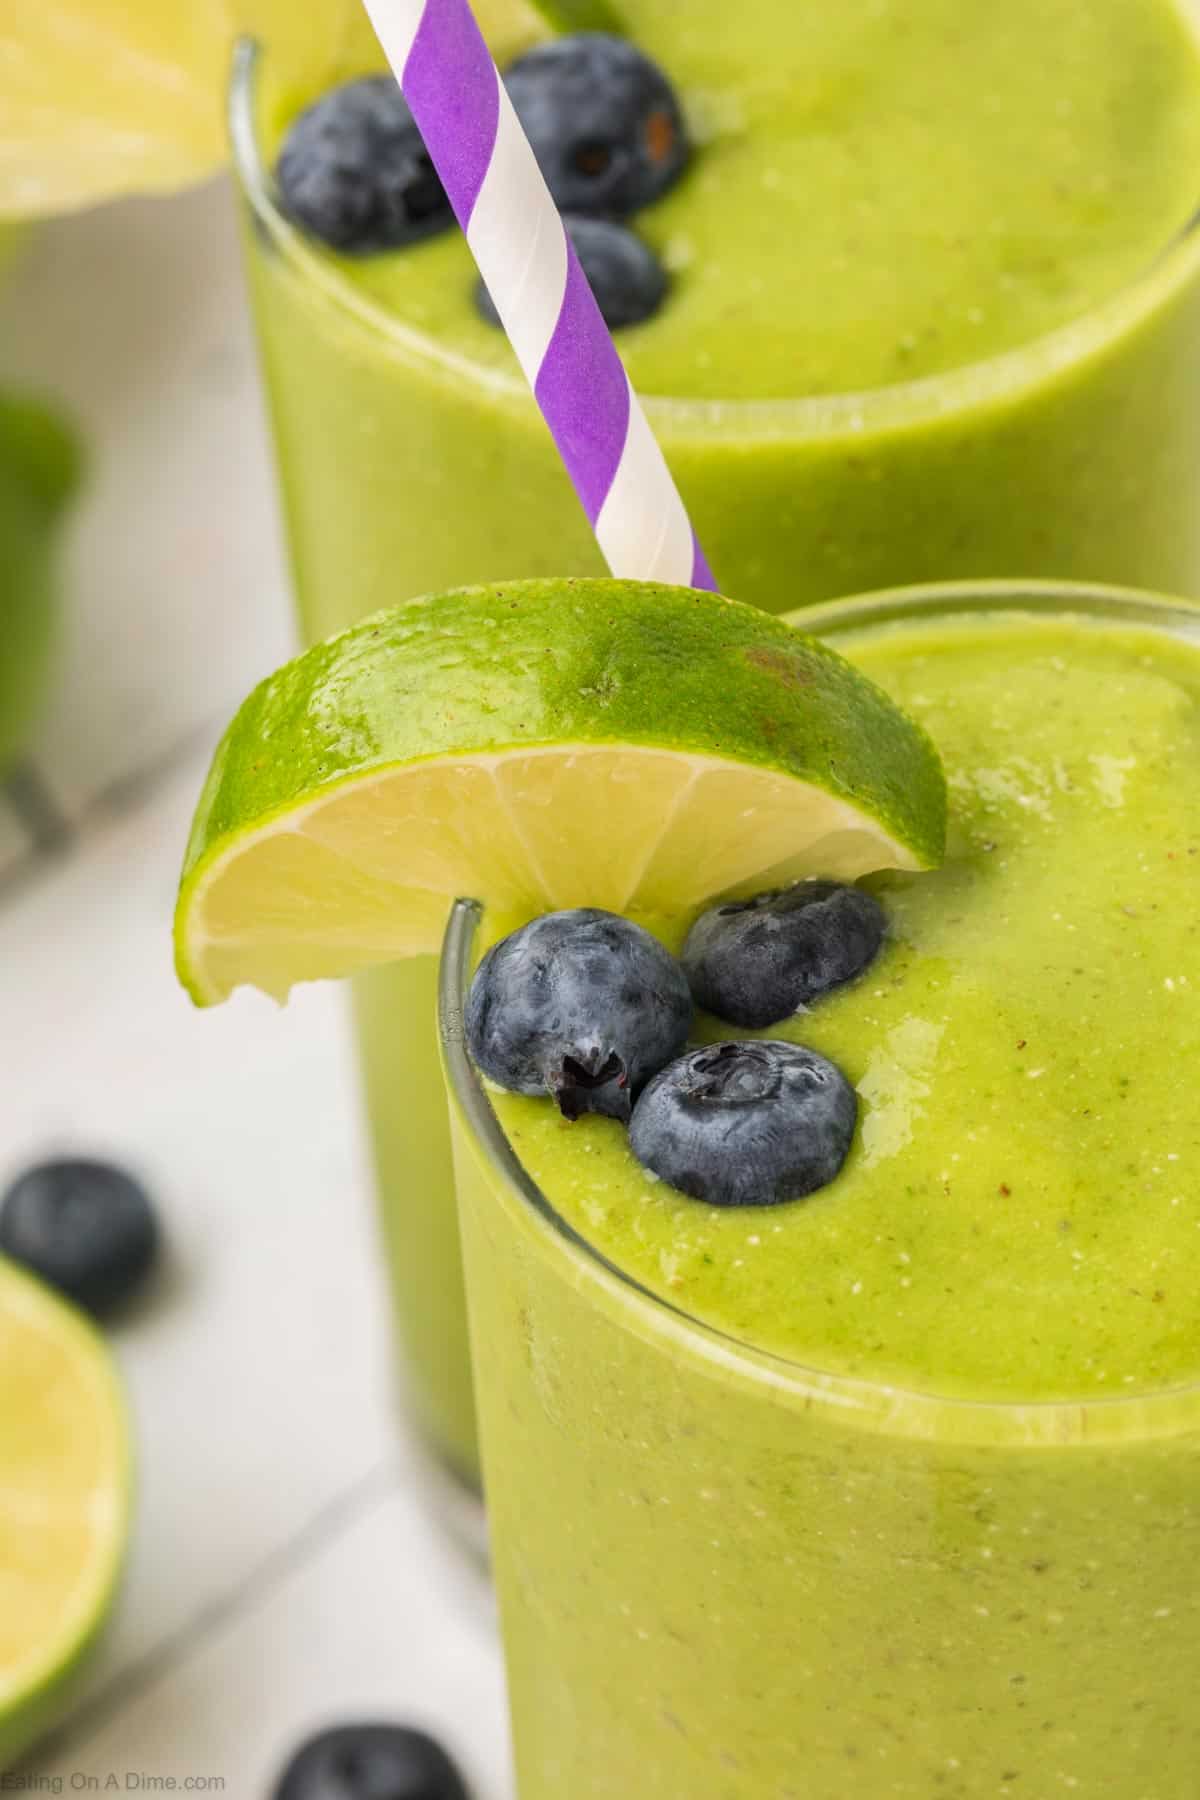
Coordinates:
column 539, row 745
column 64, row 1501
column 107, row 97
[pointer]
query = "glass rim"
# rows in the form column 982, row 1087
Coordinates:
column 1106, row 601
column 993, row 379
column 887, row 1408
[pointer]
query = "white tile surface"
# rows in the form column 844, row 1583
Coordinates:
column 133, row 316
column 14, row 841
column 259, row 1367
column 382, row 1624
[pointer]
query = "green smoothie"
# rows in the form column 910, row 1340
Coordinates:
column 889, row 193
column 891, row 1492
column 935, row 313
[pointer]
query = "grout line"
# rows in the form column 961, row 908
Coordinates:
column 28, row 794
column 50, row 829
column 135, row 789
column 163, row 1659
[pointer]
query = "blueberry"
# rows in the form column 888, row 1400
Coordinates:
column 87, row 1228
column 603, row 120
column 583, row 1005
column 758, row 961
column 746, row 1124
column 354, row 170
column 371, row 1762
column 628, row 280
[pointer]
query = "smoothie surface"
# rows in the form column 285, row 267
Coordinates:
column 883, row 189
column 1019, row 1217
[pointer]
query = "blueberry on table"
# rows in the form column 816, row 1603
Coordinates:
column 354, row 171
column 626, row 276
column 757, row 961
column 604, row 122
column 746, row 1124
column 371, row 1762
column 583, row 1005
column 87, row 1228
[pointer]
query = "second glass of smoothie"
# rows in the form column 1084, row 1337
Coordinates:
column 935, row 312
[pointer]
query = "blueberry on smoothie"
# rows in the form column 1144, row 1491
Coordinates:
column 746, row 1124
column 626, row 276
column 604, row 122
column 757, row 961
column 354, row 171
column 371, row 1762
column 583, row 1005
column 86, row 1228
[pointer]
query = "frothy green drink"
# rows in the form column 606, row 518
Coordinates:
column 891, row 1492
column 886, row 195
column 935, row 314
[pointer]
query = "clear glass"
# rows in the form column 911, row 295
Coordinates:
column 725, row 1575
column 404, row 471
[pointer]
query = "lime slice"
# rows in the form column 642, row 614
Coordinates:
column 106, row 97
column 538, row 745
column 64, row 1501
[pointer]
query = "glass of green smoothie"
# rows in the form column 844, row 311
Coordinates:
column 933, row 312
column 891, row 1490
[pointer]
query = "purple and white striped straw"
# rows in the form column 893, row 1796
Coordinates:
column 501, row 200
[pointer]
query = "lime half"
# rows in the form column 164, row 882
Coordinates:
column 64, row 1501
column 108, row 97
column 538, row 745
